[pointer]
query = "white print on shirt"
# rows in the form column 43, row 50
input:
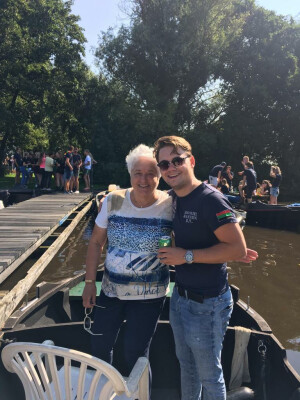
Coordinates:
column 190, row 216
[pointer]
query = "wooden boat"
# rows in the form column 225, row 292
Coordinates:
column 286, row 217
column 56, row 313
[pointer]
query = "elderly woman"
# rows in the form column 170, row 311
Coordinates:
column 135, row 281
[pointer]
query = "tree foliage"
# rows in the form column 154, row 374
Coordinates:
column 40, row 53
column 222, row 73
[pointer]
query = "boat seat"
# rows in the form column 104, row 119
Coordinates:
column 57, row 373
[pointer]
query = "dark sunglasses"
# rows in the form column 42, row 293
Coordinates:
column 177, row 162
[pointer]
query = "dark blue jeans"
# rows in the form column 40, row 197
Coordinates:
column 141, row 320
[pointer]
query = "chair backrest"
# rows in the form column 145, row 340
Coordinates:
column 50, row 372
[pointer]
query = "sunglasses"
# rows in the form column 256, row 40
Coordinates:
column 177, row 162
column 87, row 322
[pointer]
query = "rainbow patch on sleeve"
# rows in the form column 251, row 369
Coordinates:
column 224, row 214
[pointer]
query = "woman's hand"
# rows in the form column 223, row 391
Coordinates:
column 89, row 295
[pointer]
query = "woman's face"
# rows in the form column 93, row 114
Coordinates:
column 144, row 176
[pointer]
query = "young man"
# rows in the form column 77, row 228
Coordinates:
column 18, row 161
column 216, row 173
column 77, row 162
column 87, row 170
column 248, row 185
column 207, row 235
column 49, row 164
column 68, row 172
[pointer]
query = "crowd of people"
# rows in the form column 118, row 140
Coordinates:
column 221, row 177
column 53, row 170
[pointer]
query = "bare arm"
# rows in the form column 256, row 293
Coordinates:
column 231, row 246
column 95, row 249
column 68, row 164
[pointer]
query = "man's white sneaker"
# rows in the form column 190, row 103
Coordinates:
column 77, row 191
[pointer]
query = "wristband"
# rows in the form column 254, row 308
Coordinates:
column 90, row 281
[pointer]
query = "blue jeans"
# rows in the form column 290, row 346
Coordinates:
column 25, row 175
column 199, row 330
column 274, row 191
column 141, row 320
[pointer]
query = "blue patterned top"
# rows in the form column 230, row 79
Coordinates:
column 132, row 269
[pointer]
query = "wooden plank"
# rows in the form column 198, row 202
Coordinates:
column 41, row 223
column 10, row 301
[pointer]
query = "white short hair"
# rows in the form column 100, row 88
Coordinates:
column 140, row 151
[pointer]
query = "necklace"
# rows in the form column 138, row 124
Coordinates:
column 139, row 205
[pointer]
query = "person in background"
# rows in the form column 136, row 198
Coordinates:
column 77, row 162
column 11, row 164
column 207, row 235
column 24, row 169
column 244, row 161
column 265, row 187
column 248, row 186
column 87, row 170
column 38, row 173
column 59, row 172
column 258, row 189
column 30, row 165
column 224, row 188
column 228, row 174
column 68, row 168
column 276, row 176
column 42, row 165
column 135, row 282
column 18, row 161
column 215, row 174
column 49, row 164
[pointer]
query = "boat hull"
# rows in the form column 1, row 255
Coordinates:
column 273, row 216
column 57, row 314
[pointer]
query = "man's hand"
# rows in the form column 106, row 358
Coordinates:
column 250, row 256
column 171, row 255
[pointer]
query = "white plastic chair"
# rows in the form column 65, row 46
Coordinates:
column 55, row 373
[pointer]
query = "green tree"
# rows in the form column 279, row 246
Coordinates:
column 261, row 84
column 168, row 53
column 40, row 49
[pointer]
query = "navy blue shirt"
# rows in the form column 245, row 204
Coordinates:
column 250, row 178
column 197, row 216
column 68, row 155
column 214, row 172
column 276, row 182
column 76, row 161
column 18, row 160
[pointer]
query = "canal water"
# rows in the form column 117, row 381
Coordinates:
column 272, row 282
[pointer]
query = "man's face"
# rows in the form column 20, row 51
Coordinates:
column 180, row 176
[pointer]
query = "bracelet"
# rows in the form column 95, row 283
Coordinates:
column 90, row 281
